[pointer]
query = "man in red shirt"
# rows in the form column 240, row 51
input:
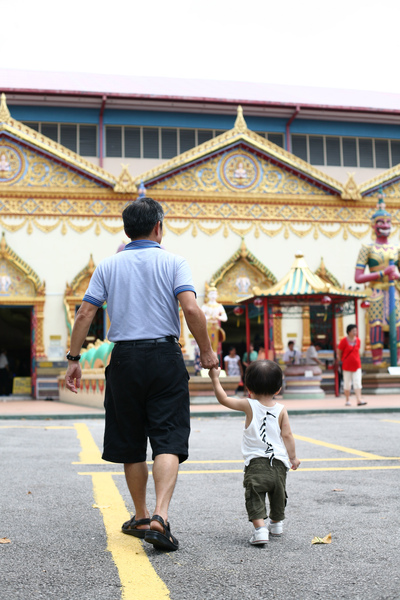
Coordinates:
column 349, row 353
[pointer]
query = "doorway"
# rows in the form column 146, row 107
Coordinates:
column 15, row 339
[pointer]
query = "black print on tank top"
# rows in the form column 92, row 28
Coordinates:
column 269, row 451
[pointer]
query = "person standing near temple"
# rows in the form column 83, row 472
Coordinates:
column 292, row 355
column 147, row 392
column 348, row 353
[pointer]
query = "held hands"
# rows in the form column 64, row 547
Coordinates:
column 209, row 359
column 73, row 377
column 214, row 373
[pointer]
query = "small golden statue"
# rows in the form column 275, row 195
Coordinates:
column 214, row 313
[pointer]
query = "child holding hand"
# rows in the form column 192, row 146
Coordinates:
column 268, row 446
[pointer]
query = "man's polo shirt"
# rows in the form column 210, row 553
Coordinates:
column 141, row 285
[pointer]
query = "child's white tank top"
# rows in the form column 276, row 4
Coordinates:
column 263, row 436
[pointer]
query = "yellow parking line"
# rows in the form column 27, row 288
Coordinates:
column 138, row 578
column 90, row 453
column 336, row 447
column 36, row 427
column 389, row 421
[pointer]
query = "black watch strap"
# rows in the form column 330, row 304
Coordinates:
column 70, row 357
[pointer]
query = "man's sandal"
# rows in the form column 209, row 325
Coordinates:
column 131, row 527
column 161, row 541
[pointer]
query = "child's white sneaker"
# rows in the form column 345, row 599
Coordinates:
column 275, row 528
column 260, row 536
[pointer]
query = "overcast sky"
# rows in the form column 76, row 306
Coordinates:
column 352, row 44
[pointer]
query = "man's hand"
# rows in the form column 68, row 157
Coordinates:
column 73, row 377
column 295, row 463
column 209, row 359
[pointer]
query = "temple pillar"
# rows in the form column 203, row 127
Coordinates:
column 277, row 324
column 306, row 329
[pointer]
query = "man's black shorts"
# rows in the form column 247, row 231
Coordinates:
column 147, row 396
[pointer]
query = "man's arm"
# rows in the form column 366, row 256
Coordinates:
column 196, row 321
column 83, row 320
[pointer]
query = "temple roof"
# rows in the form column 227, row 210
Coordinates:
column 301, row 281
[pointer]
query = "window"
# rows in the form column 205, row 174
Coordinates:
column 299, row 146
column 316, row 150
column 88, row 140
column 382, row 154
column 350, row 152
column 132, row 142
column 68, row 137
column 203, row 135
column 34, row 126
column 395, row 147
column 114, row 141
column 50, row 130
column 169, row 143
column 150, row 142
column 333, row 151
column 366, row 153
column 276, row 138
column 187, row 139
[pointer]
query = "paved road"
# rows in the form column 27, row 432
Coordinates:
column 62, row 508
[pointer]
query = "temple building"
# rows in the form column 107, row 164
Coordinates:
column 249, row 176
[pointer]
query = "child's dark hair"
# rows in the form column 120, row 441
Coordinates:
column 263, row 378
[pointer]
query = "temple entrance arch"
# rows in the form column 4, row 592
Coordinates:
column 22, row 298
column 235, row 281
column 73, row 297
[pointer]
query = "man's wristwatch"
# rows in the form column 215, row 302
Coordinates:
column 70, row 357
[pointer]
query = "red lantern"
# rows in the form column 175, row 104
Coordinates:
column 238, row 310
column 326, row 301
column 365, row 304
column 258, row 304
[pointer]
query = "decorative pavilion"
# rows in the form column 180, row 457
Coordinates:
column 300, row 289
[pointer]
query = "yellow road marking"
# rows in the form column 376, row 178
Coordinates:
column 224, row 471
column 138, row 578
column 336, row 447
column 90, row 453
column 36, row 427
column 389, row 421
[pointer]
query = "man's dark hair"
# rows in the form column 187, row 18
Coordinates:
column 349, row 328
column 290, row 342
column 263, row 378
column 141, row 216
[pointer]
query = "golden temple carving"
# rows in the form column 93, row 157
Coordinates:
column 4, row 112
column 74, row 293
column 125, row 182
column 351, row 190
column 239, row 275
column 21, row 286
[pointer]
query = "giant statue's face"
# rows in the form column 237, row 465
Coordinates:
column 212, row 296
column 383, row 227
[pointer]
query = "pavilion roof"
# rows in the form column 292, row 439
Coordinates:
column 300, row 281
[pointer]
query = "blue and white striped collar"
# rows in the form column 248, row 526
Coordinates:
column 139, row 244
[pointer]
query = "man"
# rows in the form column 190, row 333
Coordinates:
column 147, row 392
column 312, row 354
column 348, row 353
column 291, row 356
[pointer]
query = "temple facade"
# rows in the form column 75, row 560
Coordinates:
column 238, row 207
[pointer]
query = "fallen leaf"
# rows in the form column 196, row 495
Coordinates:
column 5, row 541
column 98, row 506
column 338, row 490
column 325, row 540
column 29, row 493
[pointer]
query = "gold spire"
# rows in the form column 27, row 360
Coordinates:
column 3, row 244
column 351, row 189
column 125, row 183
column 240, row 123
column 4, row 112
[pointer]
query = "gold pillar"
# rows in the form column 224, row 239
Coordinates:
column 306, row 329
column 277, row 326
column 340, row 331
column 367, row 332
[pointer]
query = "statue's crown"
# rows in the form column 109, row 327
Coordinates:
column 380, row 209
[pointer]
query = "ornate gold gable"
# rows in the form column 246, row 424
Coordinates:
column 47, row 186
column 326, row 275
column 74, row 293
column 21, row 286
column 239, row 275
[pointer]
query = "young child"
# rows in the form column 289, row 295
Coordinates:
column 268, row 446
